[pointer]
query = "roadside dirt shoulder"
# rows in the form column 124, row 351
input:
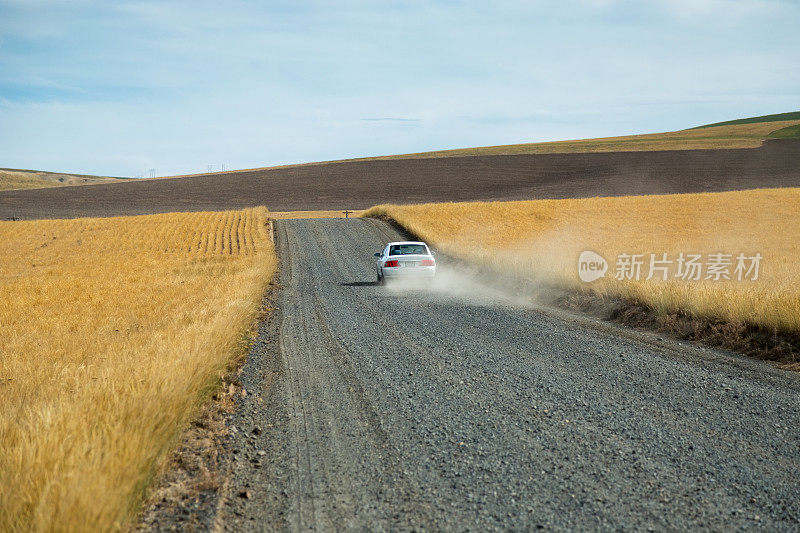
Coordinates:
column 195, row 484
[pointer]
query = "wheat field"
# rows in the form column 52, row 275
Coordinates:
column 542, row 239
column 113, row 332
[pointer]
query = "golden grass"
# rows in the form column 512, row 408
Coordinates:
column 542, row 239
column 112, row 332
column 29, row 179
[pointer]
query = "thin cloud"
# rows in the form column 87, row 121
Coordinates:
column 178, row 86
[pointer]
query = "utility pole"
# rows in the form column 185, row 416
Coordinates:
column 223, row 167
column 152, row 173
column 210, row 167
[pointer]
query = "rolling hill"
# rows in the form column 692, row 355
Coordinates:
column 16, row 179
column 717, row 158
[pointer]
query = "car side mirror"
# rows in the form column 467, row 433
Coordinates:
column 377, row 254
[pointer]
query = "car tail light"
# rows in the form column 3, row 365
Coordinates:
column 392, row 263
column 428, row 262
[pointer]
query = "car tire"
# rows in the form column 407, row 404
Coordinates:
column 380, row 278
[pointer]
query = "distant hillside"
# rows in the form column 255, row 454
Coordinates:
column 790, row 132
column 733, row 134
column 16, row 179
column 361, row 184
column 742, row 133
column 794, row 115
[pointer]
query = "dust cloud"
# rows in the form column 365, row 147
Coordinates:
column 464, row 284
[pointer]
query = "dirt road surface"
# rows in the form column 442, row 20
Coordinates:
column 456, row 407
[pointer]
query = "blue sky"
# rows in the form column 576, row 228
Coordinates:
column 117, row 87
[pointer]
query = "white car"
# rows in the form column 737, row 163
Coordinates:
column 407, row 259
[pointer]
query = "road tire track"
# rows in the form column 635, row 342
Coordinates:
column 385, row 409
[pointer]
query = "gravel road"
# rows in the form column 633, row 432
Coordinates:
column 454, row 407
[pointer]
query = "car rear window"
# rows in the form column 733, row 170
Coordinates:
column 408, row 249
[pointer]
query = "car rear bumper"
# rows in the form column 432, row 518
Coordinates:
column 409, row 272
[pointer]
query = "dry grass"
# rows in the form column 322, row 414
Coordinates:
column 11, row 179
column 113, row 332
column 542, row 239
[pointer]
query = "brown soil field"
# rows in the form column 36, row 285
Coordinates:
column 361, row 184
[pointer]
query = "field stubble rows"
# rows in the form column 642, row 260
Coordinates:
column 114, row 331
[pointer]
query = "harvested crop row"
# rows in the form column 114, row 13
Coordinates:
column 112, row 332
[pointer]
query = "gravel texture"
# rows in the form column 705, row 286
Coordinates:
column 455, row 407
